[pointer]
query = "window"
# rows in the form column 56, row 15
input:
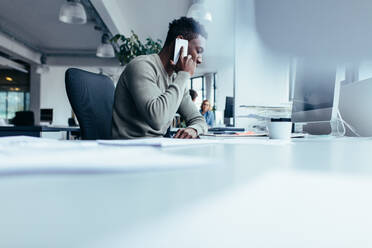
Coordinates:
column 197, row 84
column 14, row 91
column 205, row 86
column 3, row 104
column 11, row 102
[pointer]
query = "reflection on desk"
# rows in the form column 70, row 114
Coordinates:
column 35, row 131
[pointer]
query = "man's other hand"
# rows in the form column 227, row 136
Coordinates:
column 186, row 133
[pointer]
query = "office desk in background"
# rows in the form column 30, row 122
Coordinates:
column 304, row 193
column 35, row 131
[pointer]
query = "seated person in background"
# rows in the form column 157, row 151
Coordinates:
column 205, row 110
column 152, row 88
column 193, row 95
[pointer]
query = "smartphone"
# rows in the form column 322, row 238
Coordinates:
column 180, row 43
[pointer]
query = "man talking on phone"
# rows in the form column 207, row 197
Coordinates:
column 153, row 88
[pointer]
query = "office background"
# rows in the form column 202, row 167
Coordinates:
column 244, row 66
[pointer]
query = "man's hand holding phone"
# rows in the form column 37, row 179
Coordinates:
column 184, row 63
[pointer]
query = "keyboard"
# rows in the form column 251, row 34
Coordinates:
column 226, row 129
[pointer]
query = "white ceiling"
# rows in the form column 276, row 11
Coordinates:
column 36, row 24
column 146, row 18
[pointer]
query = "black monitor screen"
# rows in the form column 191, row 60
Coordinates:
column 229, row 107
column 46, row 115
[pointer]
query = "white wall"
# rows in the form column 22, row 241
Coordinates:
column 262, row 77
column 219, row 54
column 145, row 18
column 53, row 94
column 224, row 85
column 330, row 29
column 365, row 70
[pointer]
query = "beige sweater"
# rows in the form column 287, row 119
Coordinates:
column 147, row 99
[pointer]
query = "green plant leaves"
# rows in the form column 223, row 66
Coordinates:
column 131, row 47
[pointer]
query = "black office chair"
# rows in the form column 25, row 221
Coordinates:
column 91, row 97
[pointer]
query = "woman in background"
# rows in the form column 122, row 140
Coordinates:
column 205, row 110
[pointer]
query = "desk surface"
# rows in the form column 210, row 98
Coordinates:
column 308, row 193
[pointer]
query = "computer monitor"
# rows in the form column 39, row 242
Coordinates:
column 229, row 107
column 46, row 115
column 229, row 111
column 314, row 91
column 355, row 101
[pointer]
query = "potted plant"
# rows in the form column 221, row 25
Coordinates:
column 127, row 48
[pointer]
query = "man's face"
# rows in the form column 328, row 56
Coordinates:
column 196, row 48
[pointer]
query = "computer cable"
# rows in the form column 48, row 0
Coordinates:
column 349, row 126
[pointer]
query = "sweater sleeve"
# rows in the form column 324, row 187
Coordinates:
column 191, row 114
column 156, row 107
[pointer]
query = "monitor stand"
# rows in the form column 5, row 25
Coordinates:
column 334, row 127
column 317, row 128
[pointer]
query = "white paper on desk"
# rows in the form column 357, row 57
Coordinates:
column 85, row 157
column 23, row 139
column 156, row 142
column 19, row 144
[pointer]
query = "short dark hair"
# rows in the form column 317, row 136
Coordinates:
column 187, row 27
column 193, row 94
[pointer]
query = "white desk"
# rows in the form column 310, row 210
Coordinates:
column 311, row 193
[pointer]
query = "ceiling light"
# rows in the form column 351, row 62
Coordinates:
column 43, row 67
column 72, row 12
column 199, row 12
column 105, row 49
column 9, row 79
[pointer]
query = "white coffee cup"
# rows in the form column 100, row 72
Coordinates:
column 280, row 128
